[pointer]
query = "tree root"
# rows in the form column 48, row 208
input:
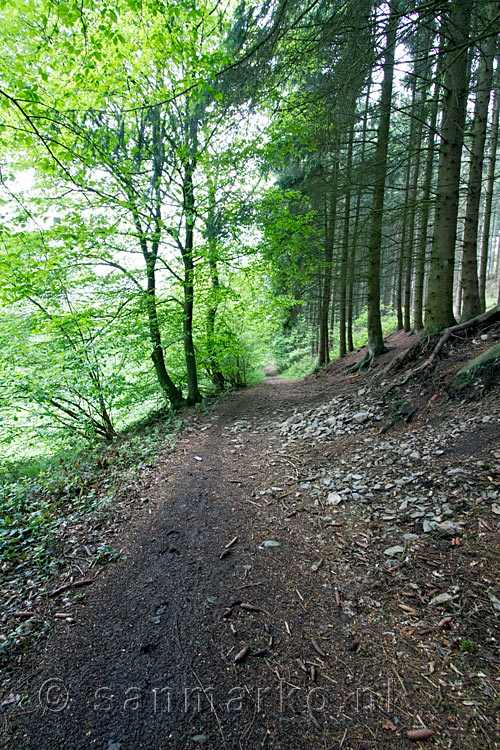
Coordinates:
column 397, row 362
column 364, row 364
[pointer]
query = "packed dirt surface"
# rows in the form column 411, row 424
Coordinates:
column 312, row 566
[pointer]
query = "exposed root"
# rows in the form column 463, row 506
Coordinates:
column 487, row 317
column 397, row 362
column 364, row 364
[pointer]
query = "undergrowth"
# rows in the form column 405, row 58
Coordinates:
column 38, row 498
column 292, row 349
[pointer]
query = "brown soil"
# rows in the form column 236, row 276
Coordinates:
column 150, row 660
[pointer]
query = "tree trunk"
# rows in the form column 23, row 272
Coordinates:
column 439, row 303
column 355, row 230
column 405, row 258
column 421, row 70
column 345, row 248
column 173, row 394
column 193, row 395
column 471, row 299
column 213, row 366
column 150, row 256
column 399, row 291
column 330, row 216
column 215, row 371
column 418, row 298
column 488, row 192
column 375, row 336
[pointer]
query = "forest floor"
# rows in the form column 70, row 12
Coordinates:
column 357, row 606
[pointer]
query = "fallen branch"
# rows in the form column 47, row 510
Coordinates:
column 73, row 585
column 24, row 615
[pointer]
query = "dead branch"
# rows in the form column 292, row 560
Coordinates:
column 73, row 585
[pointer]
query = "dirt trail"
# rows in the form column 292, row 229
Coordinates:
column 150, row 660
column 131, row 673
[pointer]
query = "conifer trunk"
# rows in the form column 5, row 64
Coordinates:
column 439, row 303
column 470, row 285
column 375, row 336
column 488, row 193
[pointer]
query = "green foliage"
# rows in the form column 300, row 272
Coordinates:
column 292, row 350
column 40, row 498
column 389, row 325
column 106, row 553
column 289, row 240
column 467, row 647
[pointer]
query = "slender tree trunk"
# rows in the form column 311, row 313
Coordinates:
column 470, row 286
column 439, row 304
column 421, row 252
column 330, row 215
column 193, row 395
column 345, row 248
column 350, row 301
column 335, row 283
column 399, row 291
column 173, row 394
column 315, row 328
column 405, row 259
column 488, row 193
column 213, row 366
column 417, row 114
column 150, row 249
column 375, row 335
column 352, row 309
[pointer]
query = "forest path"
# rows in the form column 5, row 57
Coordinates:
column 350, row 645
column 150, row 646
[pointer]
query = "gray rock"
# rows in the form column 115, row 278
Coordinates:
column 448, row 527
column 441, row 598
column 334, row 498
column 361, row 417
column 396, row 550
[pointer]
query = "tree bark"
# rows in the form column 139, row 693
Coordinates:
column 355, row 230
column 173, row 394
column 345, row 248
column 375, row 337
column 420, row 261
column 470, row 286
column 399, row 290
column 330, row 218
column 488, row 192
column 193, row 395
column 417, row 115
column 439, row 303
column 150, row 256
column 213, row 366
